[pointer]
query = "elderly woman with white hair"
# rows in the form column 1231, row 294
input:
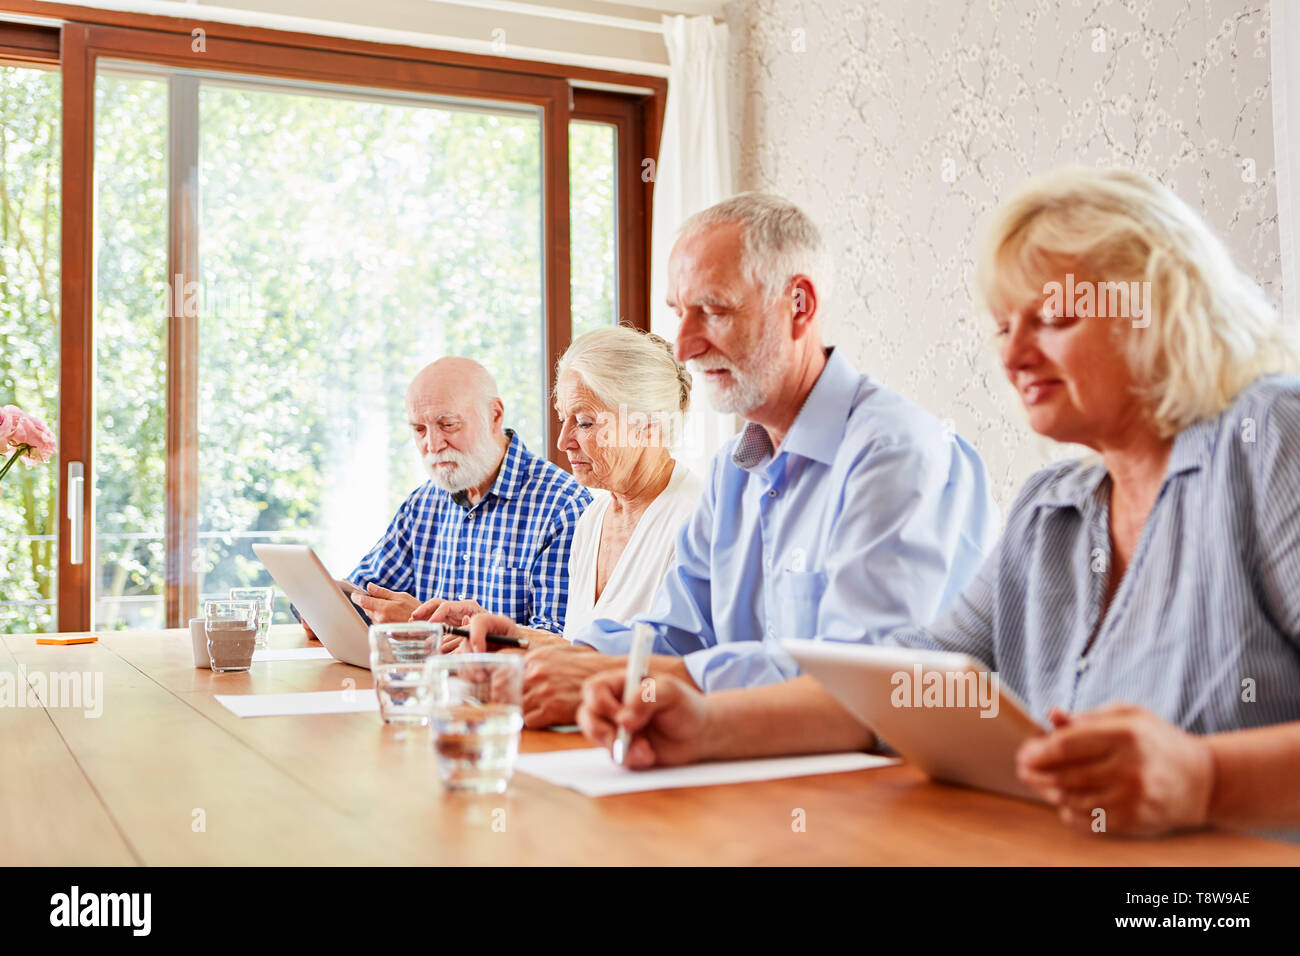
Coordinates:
column 1146, row 599
column 621, row 398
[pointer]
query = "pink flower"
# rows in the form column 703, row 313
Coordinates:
column 25, row 429
column 8, row 419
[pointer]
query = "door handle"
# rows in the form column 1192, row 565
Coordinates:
column 76, row 510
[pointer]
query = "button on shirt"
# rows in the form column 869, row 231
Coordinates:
column 871, row 515
column 509, row 552
column 1204, row 628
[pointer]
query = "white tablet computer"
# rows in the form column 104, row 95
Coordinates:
column 333, row 617
column 946, row 713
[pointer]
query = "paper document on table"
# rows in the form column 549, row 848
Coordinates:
column 292, row 654
column 594, row 773
column 311, row 702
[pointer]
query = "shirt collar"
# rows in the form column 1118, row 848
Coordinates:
column 1192, row 448
column 1076, row 487
column 510, row 478
column 818, row 429
column 1191, row 452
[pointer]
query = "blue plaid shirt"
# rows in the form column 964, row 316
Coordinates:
column 509, row 552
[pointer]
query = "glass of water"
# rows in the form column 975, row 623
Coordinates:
column 400, row 655
column 477, row 717
column 264, row 598
column 231, row 629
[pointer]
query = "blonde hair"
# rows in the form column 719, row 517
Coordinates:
column 627, row 367
column 1212, row 331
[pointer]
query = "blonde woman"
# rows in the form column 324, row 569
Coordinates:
column 1143, row 600
column 620, row 396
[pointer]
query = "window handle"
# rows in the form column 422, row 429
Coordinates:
column 76, row 510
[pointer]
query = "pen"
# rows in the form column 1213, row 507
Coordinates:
column 500, row 640
column 638, row 667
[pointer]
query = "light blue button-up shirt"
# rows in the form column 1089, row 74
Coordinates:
column 870, row 516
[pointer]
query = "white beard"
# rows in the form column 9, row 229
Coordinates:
column 751, row 384
column 470, row 468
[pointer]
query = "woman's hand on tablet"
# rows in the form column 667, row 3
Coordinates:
column 1120, row 769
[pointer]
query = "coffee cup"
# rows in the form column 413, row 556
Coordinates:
column 199, row 638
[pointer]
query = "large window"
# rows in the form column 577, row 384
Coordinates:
column 253, row 251
column 593, row 162
column 344, row 238
column 29, row 335
column 130, row 323
column 609, row 195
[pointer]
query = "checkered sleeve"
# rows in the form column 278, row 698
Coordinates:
column 391, row 562
column 548, row 577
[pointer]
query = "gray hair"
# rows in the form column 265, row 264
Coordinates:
column 626, row 367
column 780, row 241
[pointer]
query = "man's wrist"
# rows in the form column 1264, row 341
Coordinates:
column 716, row 739
column 674, row 666
column 537, row 637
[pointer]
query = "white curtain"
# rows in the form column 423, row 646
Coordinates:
column 1285, row 42
column 693, row 173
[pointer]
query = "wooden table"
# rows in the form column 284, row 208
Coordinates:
column 131, row 786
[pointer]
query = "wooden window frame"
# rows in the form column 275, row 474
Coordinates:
column 23, row 44
column 28, row 43
column 88, row 35
column 634, row 196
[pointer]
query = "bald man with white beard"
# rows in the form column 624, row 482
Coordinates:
column 493, row 523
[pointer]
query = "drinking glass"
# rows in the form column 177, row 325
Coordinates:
column 477, row 717
column 231, row 627
column 265, row 600
column 399, row 660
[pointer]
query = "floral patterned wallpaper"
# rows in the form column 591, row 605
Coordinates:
column 900, row 125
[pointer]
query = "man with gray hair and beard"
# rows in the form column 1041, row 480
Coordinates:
column 841, row 512
column 493, row 523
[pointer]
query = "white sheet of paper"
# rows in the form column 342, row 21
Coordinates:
column 291, row 654
column 594, row 773
column 310, row 702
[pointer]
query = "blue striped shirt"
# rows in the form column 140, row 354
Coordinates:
column 1204, row 629
column 509, row 552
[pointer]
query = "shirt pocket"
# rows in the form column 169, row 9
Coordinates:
column 509, row 588
column 799, row 598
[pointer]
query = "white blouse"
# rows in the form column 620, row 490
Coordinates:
column 641, row 567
